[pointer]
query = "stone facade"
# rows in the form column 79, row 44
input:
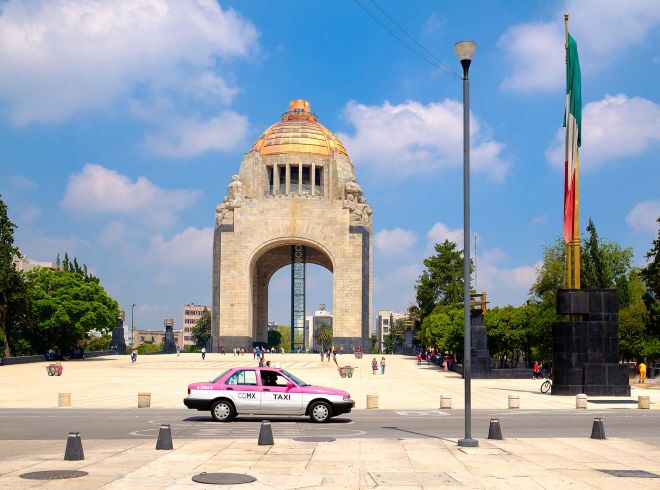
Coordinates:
column 291, row 190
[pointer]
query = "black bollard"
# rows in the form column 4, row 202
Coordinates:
column 74, row 449
column 494, row 431
column 598, row 429
column 266, row 434
column 164, row 441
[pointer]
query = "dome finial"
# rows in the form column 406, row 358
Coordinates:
column 299, row 105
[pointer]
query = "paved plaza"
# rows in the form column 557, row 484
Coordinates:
column 113, row 382
column 347, row 463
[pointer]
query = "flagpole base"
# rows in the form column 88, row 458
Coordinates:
column 468, row 442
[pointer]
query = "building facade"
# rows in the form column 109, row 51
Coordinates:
column 384, row 322
column 25, row 264
column 294, row 201
column 156, row 336
column 191, row 315
column 312, row 324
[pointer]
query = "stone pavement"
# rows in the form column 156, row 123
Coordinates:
column 113, row 382
column 346, row 463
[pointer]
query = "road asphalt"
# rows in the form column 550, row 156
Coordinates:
column 54, row 424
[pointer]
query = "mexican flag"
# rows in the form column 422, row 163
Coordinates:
column 573, row 125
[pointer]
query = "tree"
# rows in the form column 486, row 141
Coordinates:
column 201, row 332
column 12, row 287
column 633, row 319
column 98, row 342
column 274, row 338
column 66, row 306
column 651, row 276
column 396, row 335
column 441, row 283
column 443, row 329
column 323, row 335
column 604, row 264
column 285, row 332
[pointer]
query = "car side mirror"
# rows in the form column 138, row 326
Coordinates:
column 290, row 385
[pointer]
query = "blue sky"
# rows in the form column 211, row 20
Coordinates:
column 122, row 122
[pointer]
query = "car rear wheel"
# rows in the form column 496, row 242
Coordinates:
column 320, row 412
column 222, row 411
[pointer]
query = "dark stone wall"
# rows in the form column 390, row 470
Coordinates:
column 586, row 346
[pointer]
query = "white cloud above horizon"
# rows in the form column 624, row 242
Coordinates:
column 394, row 242
column 99, row 190
column 169, row 57
column 440, row 232
column 614, row 127
column 413, row 138
column 644, row 215
column 191, row 248
column 603, row 29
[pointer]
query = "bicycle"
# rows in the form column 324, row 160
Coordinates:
column 546, row 385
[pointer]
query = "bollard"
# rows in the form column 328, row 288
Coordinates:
column 372, row 401
column 494, row 431
column 164, row 441
column 265, row 434
column 581, row 401
column 445, row 402
column 598, row 429
column 64, row 399
column 514, row 400
column 74, row 449
column 643, row 401
column 144, row 400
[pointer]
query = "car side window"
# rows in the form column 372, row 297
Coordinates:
column 273, row 378
column 243, row 377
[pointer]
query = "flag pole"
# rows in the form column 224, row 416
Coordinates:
column 569, row 246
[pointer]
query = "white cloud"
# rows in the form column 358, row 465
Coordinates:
column 441, row 232
column 615, row 127
column 505, row 285
column 644, row 216
column 90, row 53
column 28, row 212
column 540, row 220
column 412, row 138
column 192, row 248
column 114, row 233
column 22, row 183
column 395, row 290
column 180, row 138
column 603, row 29
column 101, row 190
column 391, row 243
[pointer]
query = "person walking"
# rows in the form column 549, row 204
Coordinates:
column 178, row 351
column 321, row 356
column 382, row 365
column 419, row 358
column 222, row 350
column 242, row 351
column 203, row 353
column 374, row 366
column 642, row 372
column 134, row 356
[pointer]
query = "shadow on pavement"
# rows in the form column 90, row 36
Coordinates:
column 271, row 419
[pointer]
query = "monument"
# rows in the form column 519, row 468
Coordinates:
column 169, row 344
column 118, row 339
column 295, row 201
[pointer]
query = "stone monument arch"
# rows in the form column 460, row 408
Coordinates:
column 295, row 201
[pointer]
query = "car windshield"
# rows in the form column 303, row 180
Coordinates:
column 295, row 379
column 220, row 376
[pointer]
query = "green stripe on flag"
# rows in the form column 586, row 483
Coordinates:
column 574, row 85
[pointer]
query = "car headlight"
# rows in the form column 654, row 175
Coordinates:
column 347, row 398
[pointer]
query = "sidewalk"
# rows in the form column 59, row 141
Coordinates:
column 346, row 463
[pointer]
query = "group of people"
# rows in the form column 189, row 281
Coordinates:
column 330, row 353
column 432, row 355
column 374, row 365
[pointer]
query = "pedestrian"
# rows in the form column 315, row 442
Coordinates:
column 341, row 349
column 537, row 371
column 334, row 358
column 321, row 356
column 178, row 351
column 134, row 356
column 254, row 353
column 374, row 366
column 444, row 363
column 242, row 351
column 203, row 353
column 642, row 372
column 382, row 365
column 222, row 349
column 419, row 358
column 262, row 360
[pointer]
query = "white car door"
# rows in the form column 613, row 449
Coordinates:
column 244, row 390
column 279, row 394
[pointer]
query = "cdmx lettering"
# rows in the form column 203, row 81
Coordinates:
column 248, row 395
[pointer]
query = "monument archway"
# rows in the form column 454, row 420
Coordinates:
column 264, row 266
column 296, row 188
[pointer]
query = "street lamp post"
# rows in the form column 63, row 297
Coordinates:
column 132, row 333
column 465, row 50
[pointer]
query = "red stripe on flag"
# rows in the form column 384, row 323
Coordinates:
column 569, row 204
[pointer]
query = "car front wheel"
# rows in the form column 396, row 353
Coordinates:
column 222, row 411
column 320, row 412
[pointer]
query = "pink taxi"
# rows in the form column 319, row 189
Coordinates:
column 265, row 390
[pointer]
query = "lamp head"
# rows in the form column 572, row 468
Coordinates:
column 465, row 50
